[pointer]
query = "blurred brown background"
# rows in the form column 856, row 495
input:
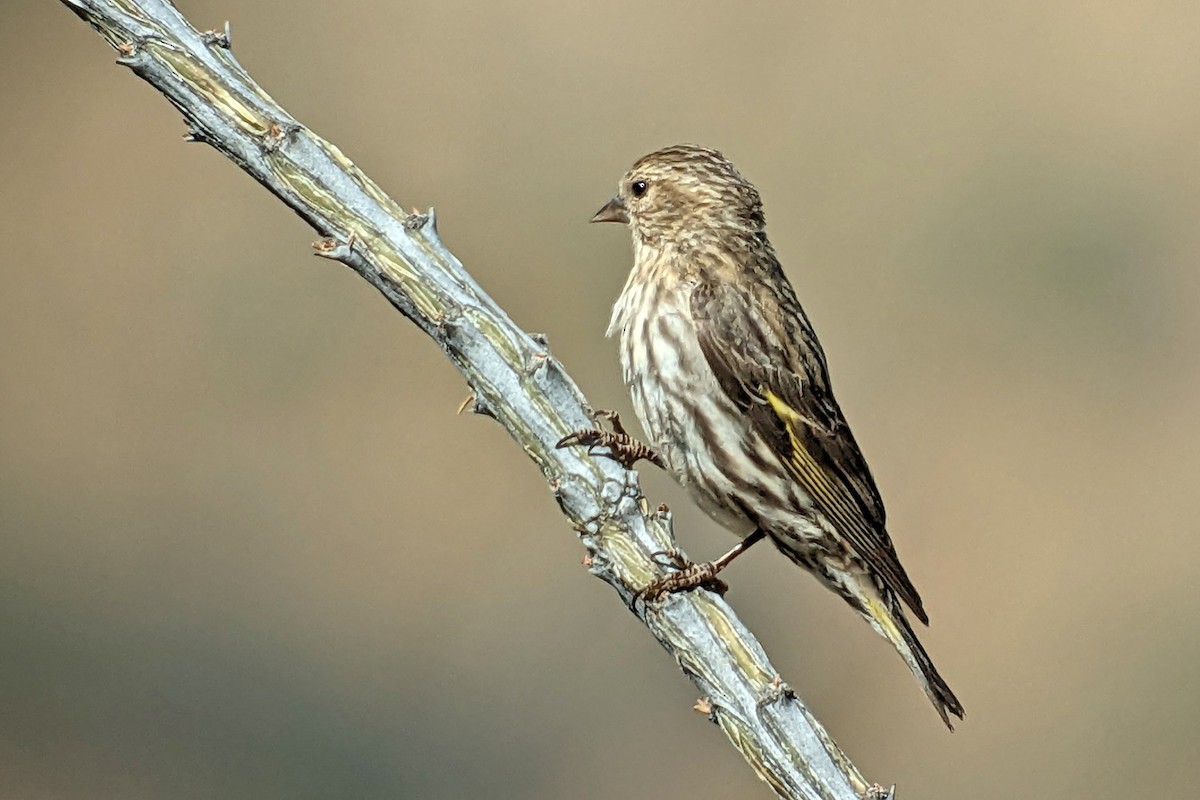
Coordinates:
column 249, row 551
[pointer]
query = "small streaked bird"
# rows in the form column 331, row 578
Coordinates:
column 730, row 384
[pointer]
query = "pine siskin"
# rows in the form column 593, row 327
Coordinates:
column 730, row 383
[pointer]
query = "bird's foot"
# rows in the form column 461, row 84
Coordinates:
column 689, row 576
column 622, row 447
column 692, row 575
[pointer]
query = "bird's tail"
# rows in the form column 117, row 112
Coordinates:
column 888, row 619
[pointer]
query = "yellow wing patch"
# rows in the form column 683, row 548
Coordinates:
column 825, row 489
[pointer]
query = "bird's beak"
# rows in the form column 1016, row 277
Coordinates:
column 613, row 211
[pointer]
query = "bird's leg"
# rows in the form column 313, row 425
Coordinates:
column 690, row 576
column 622, row 447
column 674, row 558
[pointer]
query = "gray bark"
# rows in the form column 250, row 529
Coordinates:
column 513, row 375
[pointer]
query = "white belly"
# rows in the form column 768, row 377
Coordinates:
column 705, row 440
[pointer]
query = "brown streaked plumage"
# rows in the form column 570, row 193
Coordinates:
column 730, row 383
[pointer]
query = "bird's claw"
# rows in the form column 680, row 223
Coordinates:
column 671, row 559
column 622, row 447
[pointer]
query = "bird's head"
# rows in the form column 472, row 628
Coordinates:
column 684, row 194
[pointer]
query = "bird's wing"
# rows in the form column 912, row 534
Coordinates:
column 766, row 358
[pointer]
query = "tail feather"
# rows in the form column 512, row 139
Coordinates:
column 888, row 619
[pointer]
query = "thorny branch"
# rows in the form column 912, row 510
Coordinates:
column 514, row 378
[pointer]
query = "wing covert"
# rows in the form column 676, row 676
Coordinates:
column 767, row 360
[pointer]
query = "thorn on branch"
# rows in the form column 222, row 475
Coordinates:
column 129, row 52
column 776, row 691
column 877, row 792
column 222, row 39
column 535, row 363
column 276, row 135
column 333, row 249
column 704, row 706
column 476, row 405
column 450, row 326
column 594, row 559
column 197, row 135
column 557, row 490
column 416, row 220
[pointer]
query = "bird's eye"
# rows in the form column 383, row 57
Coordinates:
column 638, row 188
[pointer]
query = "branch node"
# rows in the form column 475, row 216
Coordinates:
column 333, row 249
column 596, row 561
column 450, row 324
column 478, row 406
column 416, row 220
column 877, row 792
column 222, row 39
column 590, row 528
column 129, row 54
column 276, row 135
column 535, row 362
column 556, row 489
column 775, row 692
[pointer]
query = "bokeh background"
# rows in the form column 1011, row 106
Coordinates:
column 248, row 550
